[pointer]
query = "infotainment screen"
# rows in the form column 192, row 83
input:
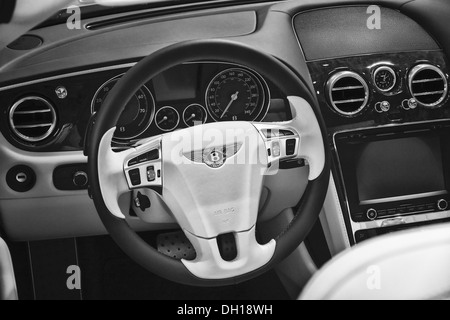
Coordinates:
column 392, row 169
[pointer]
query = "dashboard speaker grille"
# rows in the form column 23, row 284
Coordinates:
column 428, row 85
column 348, row 93
column 32, row 119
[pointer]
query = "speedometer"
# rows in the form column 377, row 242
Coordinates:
column 237, row 94
column 137, row 115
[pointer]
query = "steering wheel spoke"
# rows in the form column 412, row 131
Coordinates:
column 111, row 176
column 143, row 166
column 209, row 263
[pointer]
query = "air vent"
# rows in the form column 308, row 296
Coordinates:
column 428, row 85
column 348, row 93
column 32, row 119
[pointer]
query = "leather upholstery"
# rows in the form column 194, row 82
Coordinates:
column 8, row 289
column 413, row 264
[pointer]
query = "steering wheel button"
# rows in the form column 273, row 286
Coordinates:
column 290, row 147
column 152, row 155
column 286, row 133
column 151, row 174
column 276, row 149
column 132, row 162
column 142, row 158
column 135, row 177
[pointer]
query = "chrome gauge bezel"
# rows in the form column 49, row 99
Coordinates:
column 178, row 118
column 391, row 71
column 192, row 105
column 266, row 95
column 151, row 108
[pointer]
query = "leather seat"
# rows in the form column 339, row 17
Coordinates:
column 8, row 289
column 412, row 264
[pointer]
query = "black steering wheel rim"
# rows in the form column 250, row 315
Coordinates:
column 290, row 84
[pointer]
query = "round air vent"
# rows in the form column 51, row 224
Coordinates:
column 428, row 85
column 32, row 119
column 348, row 93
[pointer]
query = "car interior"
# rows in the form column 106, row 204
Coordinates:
column 224, row 150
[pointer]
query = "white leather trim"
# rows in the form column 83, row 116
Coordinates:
column 413, row 264
column 208, row 201
column 111, row 174
column 311, row 140
column 210, row 265
column 8, row 289
column 306, row 129
column 333, row 223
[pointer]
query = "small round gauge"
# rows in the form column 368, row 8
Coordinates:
column 385, row 78
column 194, row 115
column 167, row 119
column 137, row 115
column 237, row 95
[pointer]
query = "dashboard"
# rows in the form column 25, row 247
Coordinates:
column 53, row 114
column 378, row 90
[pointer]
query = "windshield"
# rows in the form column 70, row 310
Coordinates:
column 96, row 8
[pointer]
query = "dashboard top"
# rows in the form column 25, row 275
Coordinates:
column 287, row 30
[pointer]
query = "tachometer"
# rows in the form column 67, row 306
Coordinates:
column 237, row 94
column 137, row 115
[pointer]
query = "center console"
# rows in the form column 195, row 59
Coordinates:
column 388, row 120
column 394, row 175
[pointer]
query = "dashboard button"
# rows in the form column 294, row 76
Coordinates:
column 402, row 210
column 442, row 204
column 372, row 214
column 80, row 179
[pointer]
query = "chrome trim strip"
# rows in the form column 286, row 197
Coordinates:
column 143, row 88
column 347, row 88
column 407, row 197
column 427, row 80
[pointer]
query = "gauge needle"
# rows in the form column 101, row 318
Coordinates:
column 233, row 99
column 191, row 117
column 163, row 120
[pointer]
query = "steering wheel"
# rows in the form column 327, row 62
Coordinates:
column 191, row 165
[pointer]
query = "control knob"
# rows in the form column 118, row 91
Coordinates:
column 372, row 214
column 80, row 179
column 442, row 204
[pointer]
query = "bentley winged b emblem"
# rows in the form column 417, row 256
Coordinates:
column 214, row 157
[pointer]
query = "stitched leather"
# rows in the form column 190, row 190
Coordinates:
column 8, row 289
